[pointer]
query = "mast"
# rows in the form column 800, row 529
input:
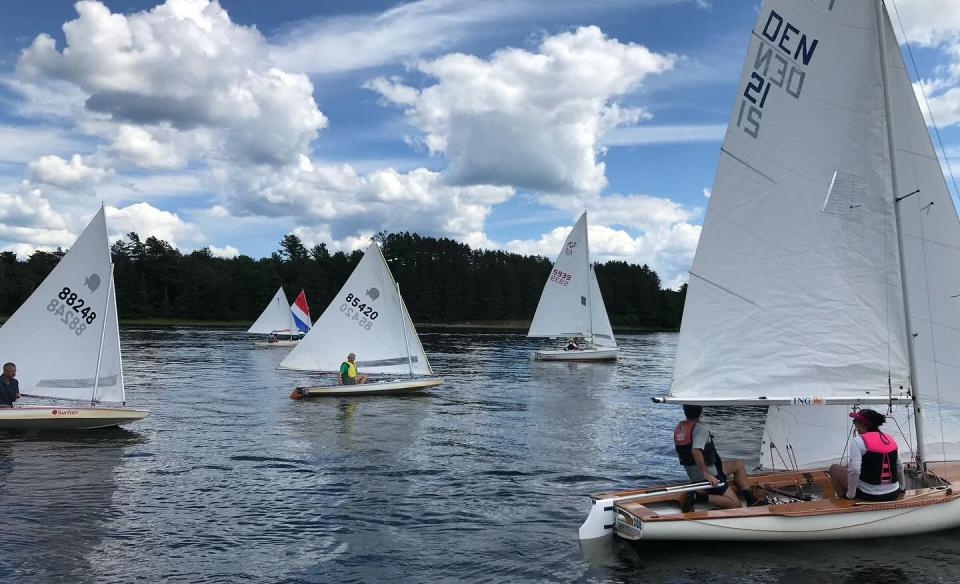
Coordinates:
column 917, row 414
column 103, row 334
column 586, row 243
column 406, row 341
column 293, row 322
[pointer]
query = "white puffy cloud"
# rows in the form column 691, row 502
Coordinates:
column 147, row 220
column 528, row 119
column 227, row 251
column 29, row 223
column 186, row 65
column 29, row 209
column 139, row 147
column 419, row 200
column 936, row 23
column 71, row 175
column 668, row 250
column 638, row 228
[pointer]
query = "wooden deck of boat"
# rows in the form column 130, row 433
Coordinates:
column 819, row 479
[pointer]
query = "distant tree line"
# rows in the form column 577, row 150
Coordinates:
column 442, row 281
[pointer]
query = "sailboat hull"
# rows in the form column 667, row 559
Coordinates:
column 385, row 388
column 658, row 517
column 276, row 344
column 66, row 417
column 604, row 354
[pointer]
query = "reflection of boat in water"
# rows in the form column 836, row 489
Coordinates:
column 367, row 317
column 283, row 325
column 571, row 305
column 65, row 341
column 60, row 498
column 825, row 279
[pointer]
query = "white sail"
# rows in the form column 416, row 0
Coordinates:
column 275, row 317
column 795, row 288
column 55, row 336
column 931, row 235
column 367, row 317
column 564, row 308
column 602, row 331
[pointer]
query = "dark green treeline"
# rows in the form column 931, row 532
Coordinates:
column 442, row 280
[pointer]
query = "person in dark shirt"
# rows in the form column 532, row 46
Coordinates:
column 9, row 386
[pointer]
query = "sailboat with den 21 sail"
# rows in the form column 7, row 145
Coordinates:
column 827, row 277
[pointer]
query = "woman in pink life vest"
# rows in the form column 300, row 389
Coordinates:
column 874, row 472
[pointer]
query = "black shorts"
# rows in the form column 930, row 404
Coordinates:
column 876, row 498
column 722, row 488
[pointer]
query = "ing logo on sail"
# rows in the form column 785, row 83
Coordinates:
column 783, row 53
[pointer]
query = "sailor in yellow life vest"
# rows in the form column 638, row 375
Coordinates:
column 348, row 372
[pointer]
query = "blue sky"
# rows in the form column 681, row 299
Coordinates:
column 231, row 124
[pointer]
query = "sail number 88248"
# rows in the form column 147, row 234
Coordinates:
column 72, row 310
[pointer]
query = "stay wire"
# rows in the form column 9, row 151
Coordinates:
column 943, row 152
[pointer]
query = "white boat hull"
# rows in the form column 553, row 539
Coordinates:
column 384, row 388
column 654, row 514
column 66, row 417
column 852, row 525
column 286, row 344
column 606, row 354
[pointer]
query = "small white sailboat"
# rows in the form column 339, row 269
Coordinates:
column 65, row 342
column 284, row 325
column 571, row 305
column 827, row 276
column 367, row 317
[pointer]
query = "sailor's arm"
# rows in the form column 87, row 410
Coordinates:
column 853, row 468
column 702, row 465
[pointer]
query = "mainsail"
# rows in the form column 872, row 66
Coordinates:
column 69, row 325
column 571, row 304
column 276, row 317
column 795, row 291
column 367, row 317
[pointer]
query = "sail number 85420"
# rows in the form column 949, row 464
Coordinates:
column 72, row 310
column 358, row 311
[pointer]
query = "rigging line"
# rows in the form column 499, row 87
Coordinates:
column 926, row 271
column 926, row 101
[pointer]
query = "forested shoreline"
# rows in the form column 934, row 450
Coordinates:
column 443, row 281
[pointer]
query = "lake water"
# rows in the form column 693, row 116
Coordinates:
column 484, row 479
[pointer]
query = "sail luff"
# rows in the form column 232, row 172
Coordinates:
column 116, row 332
column 103, row 335
column 888, row 122
column 406, row 341
column 586, row 258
